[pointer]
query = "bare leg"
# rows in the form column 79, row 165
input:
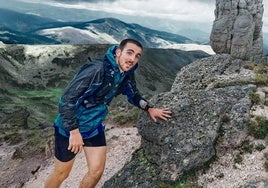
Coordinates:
column 96, row 157
column 60, row 173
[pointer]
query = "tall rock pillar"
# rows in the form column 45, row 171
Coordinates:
column 237, row 28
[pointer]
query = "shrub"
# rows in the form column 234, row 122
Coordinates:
column 266, row 165
column 260, row 147
column 266, row 102
column 261, row 71
column 259, row 128
column 265, row 155
column 238, row 158
column 254, row 97
column 225, row 118
column 247, row 147
column 250, row 66
column 261, row 79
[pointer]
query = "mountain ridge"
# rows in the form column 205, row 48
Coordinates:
column 22, row 22
column 27, row 23
column 99, row 31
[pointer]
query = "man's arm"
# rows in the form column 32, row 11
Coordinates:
column 75, row 141
column 86, row 80
column 135, row 98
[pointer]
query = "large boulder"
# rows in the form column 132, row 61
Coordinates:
column 210, row 105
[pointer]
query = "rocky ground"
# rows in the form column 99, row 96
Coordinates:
column 224, row 173
column 121, row 142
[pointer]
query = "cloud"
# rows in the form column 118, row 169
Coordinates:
column 199, row 11
column 265, row 17
column 204, row 1
column 79, row 1
column 183, row 10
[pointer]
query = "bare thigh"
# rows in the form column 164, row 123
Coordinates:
column 60, row 173
column 63, row 168
column 96, row 158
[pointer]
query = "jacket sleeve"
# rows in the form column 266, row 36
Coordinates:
column 85, row 82
column 131, row 91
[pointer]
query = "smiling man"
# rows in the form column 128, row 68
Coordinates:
column 83, row 108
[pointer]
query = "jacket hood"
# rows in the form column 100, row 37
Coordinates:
column 110, row 54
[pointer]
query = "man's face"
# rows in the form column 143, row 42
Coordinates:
column 128, row 57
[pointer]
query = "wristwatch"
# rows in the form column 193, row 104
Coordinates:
column 148, row 106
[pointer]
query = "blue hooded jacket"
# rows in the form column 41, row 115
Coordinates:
column 84, row 102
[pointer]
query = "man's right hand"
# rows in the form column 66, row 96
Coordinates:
column 75, row 141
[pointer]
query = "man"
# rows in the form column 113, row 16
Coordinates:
column 83, row 108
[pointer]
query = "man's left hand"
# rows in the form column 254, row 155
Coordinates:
column 162, row 113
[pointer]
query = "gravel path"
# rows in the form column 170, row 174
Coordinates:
column 121, row 143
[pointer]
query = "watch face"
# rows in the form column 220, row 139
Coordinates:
column 143, row 104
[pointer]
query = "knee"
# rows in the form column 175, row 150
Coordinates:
column 61, row 175
column 96, row 172
column 55, row 179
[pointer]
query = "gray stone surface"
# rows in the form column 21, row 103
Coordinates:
column 237, row 28
column 211, row 111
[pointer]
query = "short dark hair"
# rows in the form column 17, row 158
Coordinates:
column 129, row 40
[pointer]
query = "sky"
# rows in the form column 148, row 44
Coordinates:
column 200, row 12
column 190, row 10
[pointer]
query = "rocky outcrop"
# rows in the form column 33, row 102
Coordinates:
column 211, row 113
column 237, row 29
column 201, row 97
column 18, row 118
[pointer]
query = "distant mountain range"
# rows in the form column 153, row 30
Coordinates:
column 14, row 25
column 20, row 28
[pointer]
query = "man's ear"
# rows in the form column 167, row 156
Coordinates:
column 118, row 52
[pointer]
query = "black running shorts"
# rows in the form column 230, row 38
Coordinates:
column 61, row 145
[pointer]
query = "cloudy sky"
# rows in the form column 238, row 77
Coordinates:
column 200, row 12
column 190, row 10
